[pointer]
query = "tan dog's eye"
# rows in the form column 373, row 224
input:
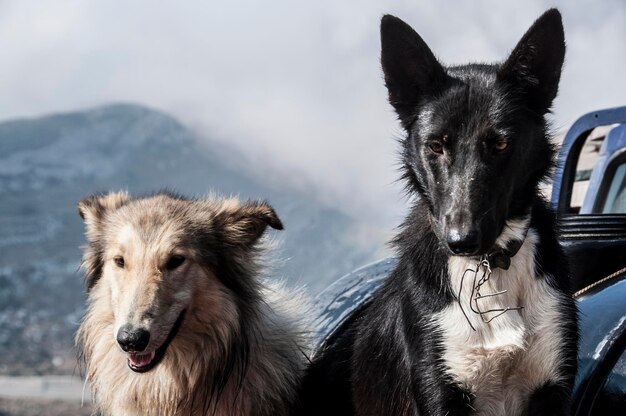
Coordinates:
column 174, row 262
column 119, row 261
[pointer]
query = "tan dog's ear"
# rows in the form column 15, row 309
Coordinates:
column 94, row 208
column 244, row 223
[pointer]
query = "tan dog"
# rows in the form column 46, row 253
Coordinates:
column 180, row 321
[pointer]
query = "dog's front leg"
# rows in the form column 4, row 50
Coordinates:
column 548, row 367
column 437, row 395
column 450, row 401
column 408, row 381
column 550, row 400
column 432, row 395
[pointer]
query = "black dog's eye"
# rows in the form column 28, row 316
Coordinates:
column 501, row 145
column 436, row 147
column 119, row 261
column 174, row 262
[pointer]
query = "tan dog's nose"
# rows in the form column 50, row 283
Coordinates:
column 133, row 340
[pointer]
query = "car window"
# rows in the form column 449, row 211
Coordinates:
column 586, row 161
column 612, row 398
column 615, row 202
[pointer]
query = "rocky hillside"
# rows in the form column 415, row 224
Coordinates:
column 47, row 164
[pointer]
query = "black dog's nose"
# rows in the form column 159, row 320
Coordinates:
column 463, row 242
column 132, row 340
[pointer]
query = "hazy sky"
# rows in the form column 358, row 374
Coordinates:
column 297, row 85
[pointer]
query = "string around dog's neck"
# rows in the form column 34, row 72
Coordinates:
column 498, row 257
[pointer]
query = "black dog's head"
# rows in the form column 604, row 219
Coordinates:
column 476, row 146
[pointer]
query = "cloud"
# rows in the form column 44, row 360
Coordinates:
column 296, row 85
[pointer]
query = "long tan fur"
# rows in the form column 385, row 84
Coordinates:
column 239, row 350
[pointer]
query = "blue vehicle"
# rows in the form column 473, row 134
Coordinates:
column 593, row 236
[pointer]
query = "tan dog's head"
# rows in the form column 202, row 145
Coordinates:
column 160, row 258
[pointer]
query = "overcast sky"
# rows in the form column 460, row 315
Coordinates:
column 297, row 85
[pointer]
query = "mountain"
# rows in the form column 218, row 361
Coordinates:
column 47, row 164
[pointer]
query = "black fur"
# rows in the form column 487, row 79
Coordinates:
column 475, row 152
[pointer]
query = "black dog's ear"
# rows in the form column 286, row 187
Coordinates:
column 411, row 70
column 535, row 63
column 243, row 224
column 94, row 208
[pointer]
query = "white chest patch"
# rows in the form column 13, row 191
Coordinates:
column 501, row 362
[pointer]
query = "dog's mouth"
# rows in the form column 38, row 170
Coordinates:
column 143, row 362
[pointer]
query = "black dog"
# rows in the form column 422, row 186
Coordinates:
column 478, row 317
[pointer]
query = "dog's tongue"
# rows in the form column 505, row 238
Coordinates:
column 141, row 360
